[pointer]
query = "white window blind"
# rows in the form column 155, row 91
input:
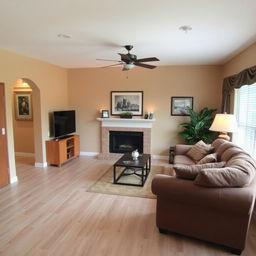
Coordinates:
column 245, row 111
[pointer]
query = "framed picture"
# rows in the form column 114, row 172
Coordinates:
column 179, row 105
column 105, row 114
column 23, row 106
column 127, row 101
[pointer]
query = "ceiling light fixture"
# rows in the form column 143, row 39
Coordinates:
column 185, row 28
column 64, row 36
column 128, row 66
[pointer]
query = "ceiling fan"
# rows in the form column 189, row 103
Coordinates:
column 129, row 60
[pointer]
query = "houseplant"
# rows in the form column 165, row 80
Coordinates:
column 198, row 127
column 126, row 115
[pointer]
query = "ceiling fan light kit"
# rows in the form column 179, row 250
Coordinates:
column 129, row 61
column 129, row 66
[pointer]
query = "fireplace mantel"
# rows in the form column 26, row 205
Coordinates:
column 128, row 123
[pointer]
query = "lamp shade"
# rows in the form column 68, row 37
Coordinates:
column 224, row 123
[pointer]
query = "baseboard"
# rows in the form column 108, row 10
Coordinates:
column 24, row 154
column 159, row 157
column 89, row 153
column 14, row 179
column 40, row 165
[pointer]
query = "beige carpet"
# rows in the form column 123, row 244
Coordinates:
column 105, row 184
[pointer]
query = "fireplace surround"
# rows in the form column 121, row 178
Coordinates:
column 142, row 126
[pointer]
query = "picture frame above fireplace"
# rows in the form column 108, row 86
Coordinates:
column 105, row 113
column 127, row 101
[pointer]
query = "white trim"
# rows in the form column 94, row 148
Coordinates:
column 14, row 179
column 24, row 154
column 89, row 153
column 160, row 157
column 128, row 123
column 40, row 165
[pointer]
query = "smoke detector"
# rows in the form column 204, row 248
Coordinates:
column 185, row 28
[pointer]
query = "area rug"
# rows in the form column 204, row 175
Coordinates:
column 105, row 184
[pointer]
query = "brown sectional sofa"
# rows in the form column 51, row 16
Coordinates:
column 216, row 214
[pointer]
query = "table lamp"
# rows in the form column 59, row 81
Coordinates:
column 224, row 123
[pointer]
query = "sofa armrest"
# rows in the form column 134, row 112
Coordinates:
column 240, row 200
column 182, row 149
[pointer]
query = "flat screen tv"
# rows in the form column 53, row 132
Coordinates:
column 64, row 123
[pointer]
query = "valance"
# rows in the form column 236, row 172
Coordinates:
column 245, row 77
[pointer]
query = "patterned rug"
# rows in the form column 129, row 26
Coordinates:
column 105, row 184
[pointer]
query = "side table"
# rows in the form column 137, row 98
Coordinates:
column 171, row 154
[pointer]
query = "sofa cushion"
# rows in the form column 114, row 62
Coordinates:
column 239, row 172
column 183, row 159
column 216, row 143
column 210, row 158
column 230, row 152
column 191, row 171
column 199, row 150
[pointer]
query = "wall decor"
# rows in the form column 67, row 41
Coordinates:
column 127, row 101
column 105, row 114
column 179, row 105
column 23, row 106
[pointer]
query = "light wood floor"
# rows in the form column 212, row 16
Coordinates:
column 49, row 212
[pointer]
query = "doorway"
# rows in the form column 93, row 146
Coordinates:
column 27, row 124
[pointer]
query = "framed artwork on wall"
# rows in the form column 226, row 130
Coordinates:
column 23, row 106
column 127, row 101
column 179, row 105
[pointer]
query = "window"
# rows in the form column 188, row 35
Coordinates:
column 245, row 111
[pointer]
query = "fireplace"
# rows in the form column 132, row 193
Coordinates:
column 134, row 125
column 125, row 141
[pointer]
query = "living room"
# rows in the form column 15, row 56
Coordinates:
column 87, row 90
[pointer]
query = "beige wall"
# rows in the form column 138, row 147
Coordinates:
column 244, row 60
column 52, row 83
column 89, row 91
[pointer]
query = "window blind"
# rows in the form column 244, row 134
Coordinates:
column 245, row 111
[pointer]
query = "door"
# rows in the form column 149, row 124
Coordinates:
column 4, row 167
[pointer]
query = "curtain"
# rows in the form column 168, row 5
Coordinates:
column 245, row 77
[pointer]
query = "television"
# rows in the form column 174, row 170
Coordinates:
column 63, row 123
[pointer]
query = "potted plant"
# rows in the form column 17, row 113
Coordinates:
column 198, row 128
column 126, row 115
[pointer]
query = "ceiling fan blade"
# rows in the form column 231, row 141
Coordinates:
column 148, row 59
column 112, row 65
column 108, row 60
column 144, row 65
column 125, row 57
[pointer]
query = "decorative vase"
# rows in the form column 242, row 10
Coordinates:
column 135, row 154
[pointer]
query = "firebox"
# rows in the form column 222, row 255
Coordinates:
column 125, row 141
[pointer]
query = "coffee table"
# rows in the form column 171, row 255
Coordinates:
column 140, row 167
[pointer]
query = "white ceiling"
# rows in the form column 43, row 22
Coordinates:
column 99, row 29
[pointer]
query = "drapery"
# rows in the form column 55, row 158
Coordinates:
column 245, row 77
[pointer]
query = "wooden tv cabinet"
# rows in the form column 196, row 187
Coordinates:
column 59, row 151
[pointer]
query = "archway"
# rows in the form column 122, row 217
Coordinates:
column 37, row 127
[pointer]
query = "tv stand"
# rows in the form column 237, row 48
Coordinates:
column 60, row 151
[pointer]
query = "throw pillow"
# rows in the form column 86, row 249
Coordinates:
column 191, row 171
column 208, row 159
column 199, row 150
